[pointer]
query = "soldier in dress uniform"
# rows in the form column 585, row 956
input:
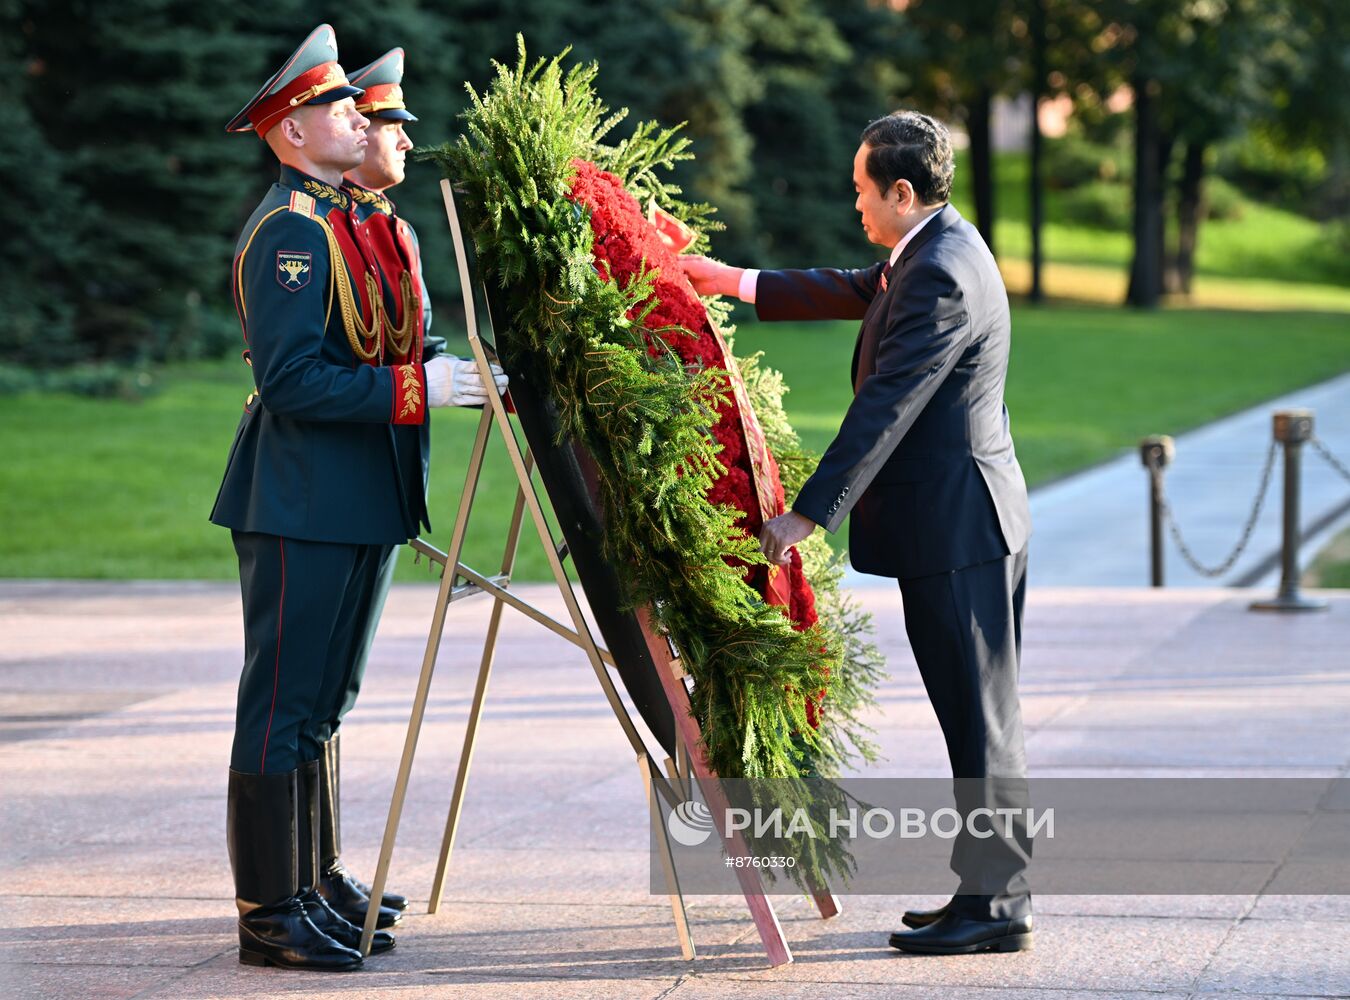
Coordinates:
column 406, row 317
column 313, row 493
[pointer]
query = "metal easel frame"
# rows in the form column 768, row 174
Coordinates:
column 674, row 786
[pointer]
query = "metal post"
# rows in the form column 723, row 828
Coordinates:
column 1156, row 453
column 1292, row 429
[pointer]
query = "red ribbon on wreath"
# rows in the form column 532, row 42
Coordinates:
column 624, row 240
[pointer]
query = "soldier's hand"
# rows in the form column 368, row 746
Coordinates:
column 455, row 382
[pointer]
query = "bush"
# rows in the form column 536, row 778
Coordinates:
column 1222, row 200
column 1103, row 205
column 1073, row 161
column 15, row 379
column 202, row 331
column 1270, row 170
column 1336, row 234
column 102, row 379
column 1096, row 205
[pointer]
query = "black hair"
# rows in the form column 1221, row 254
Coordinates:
column 914, row 147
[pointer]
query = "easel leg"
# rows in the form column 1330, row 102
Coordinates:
column 424, row 682
column 752, row 886
column 827, row 903
column 677, row 910
column 475, row 712
column 676, row 778
column 405, row 765
column 465, row 758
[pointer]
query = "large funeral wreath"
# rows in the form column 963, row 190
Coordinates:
column 692, row 445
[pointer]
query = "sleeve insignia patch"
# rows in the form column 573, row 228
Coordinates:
column 293, row 269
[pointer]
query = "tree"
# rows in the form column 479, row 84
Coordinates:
column 1136, row 39
column 136, row 119
column 1310, row 104
column 130, row 101
column 135, row 196
column 1198, row 72
column 42, row 254
column 1227, row 56
column 819, row 92
column 680, row 61
column 1037, row 37
column 969, row 54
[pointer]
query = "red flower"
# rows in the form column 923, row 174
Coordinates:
column 624, row 242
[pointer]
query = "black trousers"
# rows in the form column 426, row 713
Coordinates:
column 310, row 609
column 369, row 607
column 965, row 628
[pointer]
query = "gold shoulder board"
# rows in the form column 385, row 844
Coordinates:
column 302, row 204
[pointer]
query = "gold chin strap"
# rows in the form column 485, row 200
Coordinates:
column 357, row 331
column 399, row 338
column 333, row 78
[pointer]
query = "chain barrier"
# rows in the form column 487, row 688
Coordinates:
column 1253, row 517
column 1330, row 459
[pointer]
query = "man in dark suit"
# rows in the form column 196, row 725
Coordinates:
column 925, row 464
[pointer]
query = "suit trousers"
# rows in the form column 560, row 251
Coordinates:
column 307, row 609
column 965, row 628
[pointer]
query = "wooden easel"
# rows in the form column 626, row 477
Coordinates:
column 689, row 764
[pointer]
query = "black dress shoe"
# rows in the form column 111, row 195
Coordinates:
column 951, row 934
column 282, row 935
column 344, row 895
column 343, row 931
column 388, row 900
column 922, row 918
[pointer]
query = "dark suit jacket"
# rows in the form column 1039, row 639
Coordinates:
column 923, row 459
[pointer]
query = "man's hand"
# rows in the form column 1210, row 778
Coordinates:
column 710, row 277
column 455, row 382
column 781, row 533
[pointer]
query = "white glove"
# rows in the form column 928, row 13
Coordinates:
column 455, row 382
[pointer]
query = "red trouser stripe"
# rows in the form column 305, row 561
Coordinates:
column 276, row 669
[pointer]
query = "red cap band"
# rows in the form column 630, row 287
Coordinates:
column 381, row 97
column 305, row 87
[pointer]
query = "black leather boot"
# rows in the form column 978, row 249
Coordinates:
column 260, row 833
column 339, row 887
column 320, row 914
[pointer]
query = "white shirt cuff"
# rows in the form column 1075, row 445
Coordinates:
column 749, row 279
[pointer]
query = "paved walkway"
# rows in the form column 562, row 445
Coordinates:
column 115, row 716
column 1091, row 529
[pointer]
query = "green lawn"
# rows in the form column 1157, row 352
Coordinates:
column 112, row 489
column 101, row 488
column 1085, row 383
column 1331, row 567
